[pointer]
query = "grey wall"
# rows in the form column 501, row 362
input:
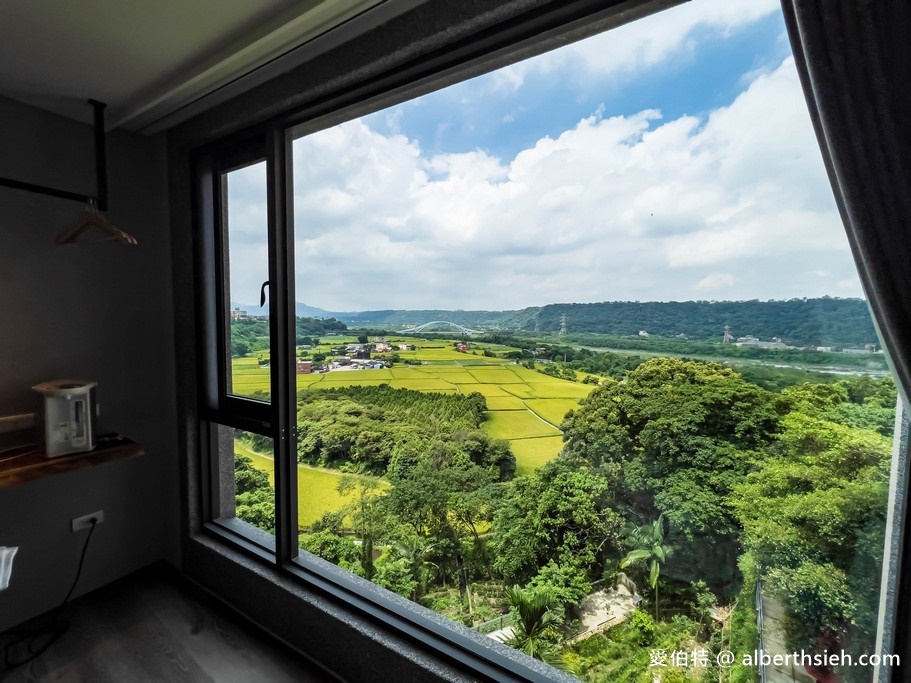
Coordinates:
column 102, row 312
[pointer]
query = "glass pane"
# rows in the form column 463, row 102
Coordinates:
column 246, row 481
column 247, row 270
column 585, row 363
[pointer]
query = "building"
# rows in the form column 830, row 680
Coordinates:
column 108, row 306
column 304, row 367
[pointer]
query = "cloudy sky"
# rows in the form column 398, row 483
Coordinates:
column 670, row 159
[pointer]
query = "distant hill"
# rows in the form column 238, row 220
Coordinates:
column 300, row 310
column 798, row 322
column 824, row 321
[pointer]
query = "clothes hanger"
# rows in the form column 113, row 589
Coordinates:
column 90, row 219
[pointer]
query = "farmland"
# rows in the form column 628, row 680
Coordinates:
column 525, row 407
column 317, row 488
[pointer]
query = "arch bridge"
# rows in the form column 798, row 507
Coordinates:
column 421, row 328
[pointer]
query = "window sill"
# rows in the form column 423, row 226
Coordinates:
column 18, row 469
column 326, row 613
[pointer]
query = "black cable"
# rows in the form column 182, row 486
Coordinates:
column 30, row 637
column 81, row 560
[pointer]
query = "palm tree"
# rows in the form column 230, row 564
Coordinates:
column 648, row 548
column 416, row 550
column 535, row 615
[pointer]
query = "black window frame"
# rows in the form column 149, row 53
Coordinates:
column 219, row 407
column 277, row 419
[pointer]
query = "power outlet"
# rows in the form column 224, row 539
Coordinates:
column 85, row 522
column 17, row 423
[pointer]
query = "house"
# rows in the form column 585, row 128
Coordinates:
column 304, row 367
column 90, row 312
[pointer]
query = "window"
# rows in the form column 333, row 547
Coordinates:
column 407, row 397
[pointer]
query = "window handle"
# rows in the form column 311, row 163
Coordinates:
column 262, row 294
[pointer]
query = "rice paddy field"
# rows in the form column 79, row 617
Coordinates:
column 525, row 407
column 316, row 487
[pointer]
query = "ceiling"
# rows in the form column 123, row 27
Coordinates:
column 156, row 63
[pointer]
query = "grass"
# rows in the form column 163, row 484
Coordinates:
column 520, row 390
column 551, row 409
column 316, row 488
column 495, row 403
column 532, row 453
column 486, row 390
column 495, row 375
column 561, row 390
column 425, row 384
column 517, row 424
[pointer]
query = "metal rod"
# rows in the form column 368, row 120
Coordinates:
column 101, row 170
column 41, row 189
column 101, row 157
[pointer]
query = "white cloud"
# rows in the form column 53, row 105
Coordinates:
column 715, row 281
column 641, row 44
column 736, row 205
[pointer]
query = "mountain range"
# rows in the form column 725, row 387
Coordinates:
column 824, row 321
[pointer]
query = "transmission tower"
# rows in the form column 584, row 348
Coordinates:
column 563, row 325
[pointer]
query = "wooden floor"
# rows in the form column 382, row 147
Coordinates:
column 152, row 626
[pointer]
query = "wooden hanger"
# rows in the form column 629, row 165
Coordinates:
column 89, row 219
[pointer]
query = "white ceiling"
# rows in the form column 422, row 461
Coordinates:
column 147, row 59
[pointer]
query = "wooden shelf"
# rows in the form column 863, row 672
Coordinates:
column 17, row 469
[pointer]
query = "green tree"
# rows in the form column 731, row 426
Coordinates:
column 568, row 583
column 563, row 513
column 254, row 497
column 648, row 549
column 366, row 514
column 678, row 435
column 536, row 624
column 813, row 520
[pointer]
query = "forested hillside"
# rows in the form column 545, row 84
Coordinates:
column 798, row 322
column 681, row 479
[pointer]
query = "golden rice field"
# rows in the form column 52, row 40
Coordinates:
column 525, row 407
column 317, row 491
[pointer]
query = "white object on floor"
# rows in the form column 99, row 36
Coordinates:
column 6, row 565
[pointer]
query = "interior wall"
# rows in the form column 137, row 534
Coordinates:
column 102, row 312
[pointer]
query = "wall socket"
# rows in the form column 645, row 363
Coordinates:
column 85, row 522
column 16, row 423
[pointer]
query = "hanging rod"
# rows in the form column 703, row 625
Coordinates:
column 101, row 172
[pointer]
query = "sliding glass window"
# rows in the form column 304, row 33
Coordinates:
column 580, row 360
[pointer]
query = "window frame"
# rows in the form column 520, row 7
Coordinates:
column 277, row 419
column 459, row 62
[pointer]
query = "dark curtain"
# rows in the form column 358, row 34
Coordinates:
column 854, row 61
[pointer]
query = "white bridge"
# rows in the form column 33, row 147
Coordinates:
column 421, row 328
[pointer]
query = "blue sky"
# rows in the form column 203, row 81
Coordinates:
column 706, row 73
column 668, row 159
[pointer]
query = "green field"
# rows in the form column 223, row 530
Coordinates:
column 505, row 403
column 532, row 453
column 316, row 488
column 517, row 424
column 551, row 409
column 521, row 401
